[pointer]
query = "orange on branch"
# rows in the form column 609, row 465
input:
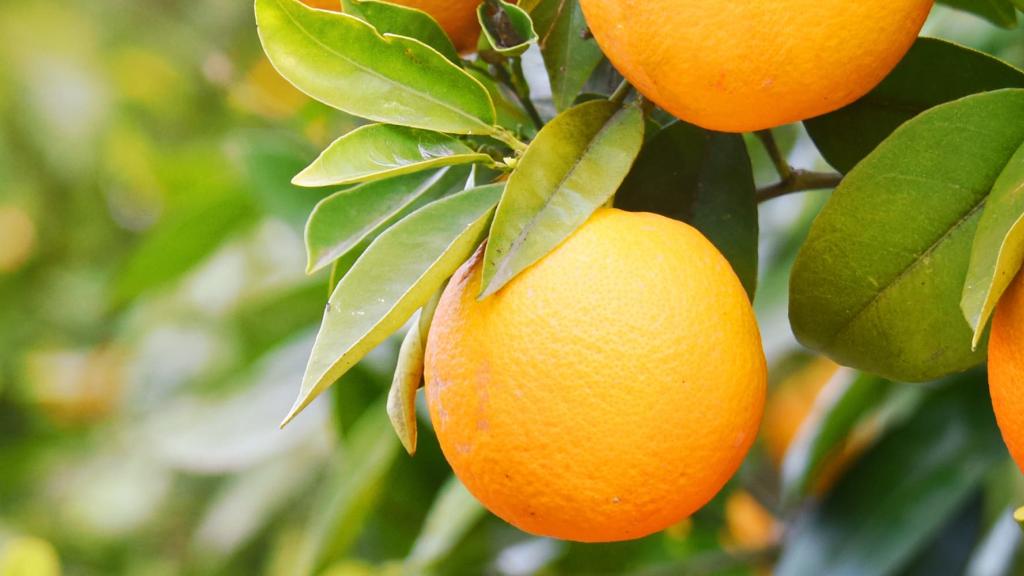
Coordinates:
column 608, row 391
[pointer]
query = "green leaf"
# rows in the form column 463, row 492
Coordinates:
column 408, row 376
column 399, row 20
column 176, row 246
column 407, row 380
column 381, row 151
column 343, row 62
column 570, row 54
column 507, row 27
column 849, row 401
column 877, row 284
column 575, row 165
column 998, row 12
column 998, row 249
column 346, row 219
column 351, row 491
column 452, row 515
column 397, row 274
column 510, row 114
column 702, row 178
column 898, row 497
column 933, row 72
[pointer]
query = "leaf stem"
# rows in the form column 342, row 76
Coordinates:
column 509, row 138
column 521, row 88
column 799, row 181
column 621, row 93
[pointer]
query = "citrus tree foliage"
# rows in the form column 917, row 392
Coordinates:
column 898, row 274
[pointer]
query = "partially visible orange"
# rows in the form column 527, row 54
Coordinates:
column 1006, row 368
column 608, row 391
column 457, row 17
column 749, row 525
column 739, row 66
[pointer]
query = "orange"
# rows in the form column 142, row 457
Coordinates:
column 791, row 402
column 1006, row 368
column 457, row 17
column 791, row 406
column 739, row 66
column 749, row 525
column 605, row 393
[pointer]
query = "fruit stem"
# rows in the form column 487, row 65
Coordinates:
column 508, row 138
column 620, row 94
column 799, row 181
column 775, row 153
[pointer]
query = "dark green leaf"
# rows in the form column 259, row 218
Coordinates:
column 397, row 274
column 998, row 12
column 998, row 249
column 901, row 493
column 389, row 18
column 348, row 218
column 575, row 165
column 702, row 178
column 381, row 151
column 877, row 284
column 507, row 27
column 343, row 62
column 570, row 54
column 933, row 72
column 510, row 114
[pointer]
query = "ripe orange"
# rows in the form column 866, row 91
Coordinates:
column 749, row 526
column 743, row 66
column 608, row 391
column 1006, row 368
column 457, row 17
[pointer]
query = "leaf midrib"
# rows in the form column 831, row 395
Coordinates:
column 531, row 223
column 372, row 72
column 907, row 270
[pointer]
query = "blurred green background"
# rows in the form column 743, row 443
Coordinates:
column 155, row 321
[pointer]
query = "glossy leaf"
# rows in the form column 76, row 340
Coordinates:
column 877, row 284
column 407, row 380
column 452, row 515
column 351, row 490
column 998, row 249
column 507, row 27
column 397, row 274
column 345, row 63
column 346, row 219
column 998, row 12
column 849, row 402
column 702, row 178
column 933, row 72
column 381, row 151
column 575, row 165
column 389, row 18
column 570, row 54
column 902, row 492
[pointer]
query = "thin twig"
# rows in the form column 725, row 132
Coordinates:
column 521, row 88
column 781, row 165
column 621, row 93
column 799, row 181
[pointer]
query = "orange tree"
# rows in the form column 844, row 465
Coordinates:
column 594, row 375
